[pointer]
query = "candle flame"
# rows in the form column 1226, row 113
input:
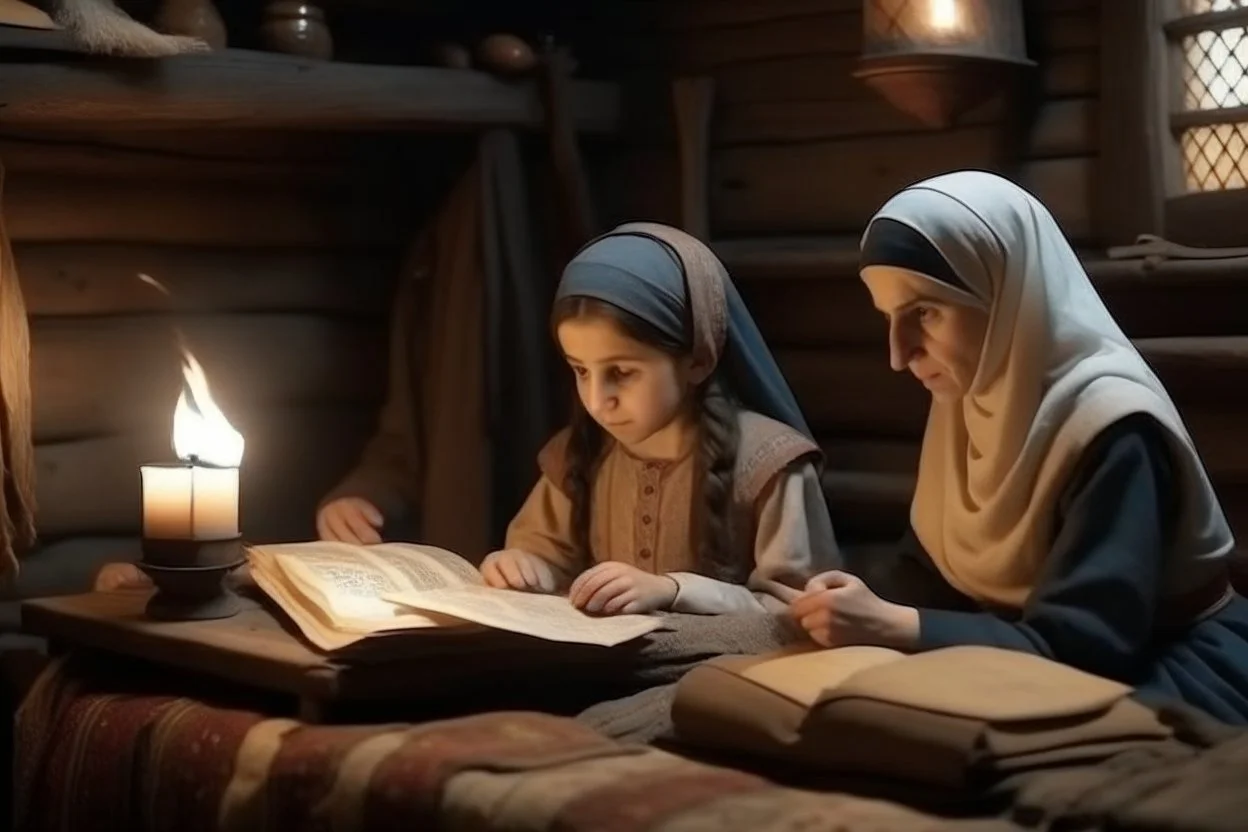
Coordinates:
column 200, row 430
column 201, row 433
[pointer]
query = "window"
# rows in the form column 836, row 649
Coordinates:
column 1211, row 117
column 1174, row 121
column 1205, row 66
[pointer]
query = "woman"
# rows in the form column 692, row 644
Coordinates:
column 1061, row 506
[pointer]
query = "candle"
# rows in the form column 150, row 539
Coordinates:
column 189, row 502
column 196, row 499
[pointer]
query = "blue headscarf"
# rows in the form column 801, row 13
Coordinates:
column 675, row 283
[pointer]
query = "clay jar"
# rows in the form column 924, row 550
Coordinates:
column 192, row 18
column 506, row 54
column 296, row 28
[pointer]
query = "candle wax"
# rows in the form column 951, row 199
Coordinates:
column 189, row 502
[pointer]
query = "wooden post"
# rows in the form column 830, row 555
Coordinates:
column 693, row 101
column 570, row 174
column 1133, row 166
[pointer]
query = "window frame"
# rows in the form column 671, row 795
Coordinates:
column 1141, row 183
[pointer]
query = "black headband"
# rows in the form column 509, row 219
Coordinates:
column 892, row 243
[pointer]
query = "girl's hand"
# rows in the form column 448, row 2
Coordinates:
column 116, row 577
column 612, row 588
column 350, row 520
column 838, row 609
column 516, row 569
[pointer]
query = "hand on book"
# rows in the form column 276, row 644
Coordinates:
column 839, row 610
column 612, row 588
column 516, row 569
column 350, row 520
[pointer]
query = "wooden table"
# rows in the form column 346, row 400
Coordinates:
column 251, row 648
column 255, row 648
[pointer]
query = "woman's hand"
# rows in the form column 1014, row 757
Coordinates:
column 516, row 569
column 350, row 520
column 613, row 588
column 838, row 609
column 116, row 577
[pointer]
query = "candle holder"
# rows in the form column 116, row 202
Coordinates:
column 191, row 539
column 190, row 578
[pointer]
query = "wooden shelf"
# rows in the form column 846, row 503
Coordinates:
column 53, row 88
column 760, row 258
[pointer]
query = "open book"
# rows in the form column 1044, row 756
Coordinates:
column 339, row 594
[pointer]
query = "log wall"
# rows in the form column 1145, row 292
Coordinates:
column 799, row 145
column 280, row 251
column 802, row 154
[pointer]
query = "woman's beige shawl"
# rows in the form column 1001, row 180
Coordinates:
column 1055, row 372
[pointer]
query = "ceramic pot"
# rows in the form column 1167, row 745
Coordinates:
column 296, row 28
column 192, row 18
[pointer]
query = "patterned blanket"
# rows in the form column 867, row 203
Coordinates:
column 95, row 756
column 98, row 750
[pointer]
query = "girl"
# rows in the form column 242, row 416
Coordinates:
column 665, row 493
column 1061, row 506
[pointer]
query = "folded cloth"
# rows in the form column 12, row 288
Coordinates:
column 956, row 717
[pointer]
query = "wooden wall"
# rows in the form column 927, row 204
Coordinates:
column 802, row 154
column 280, row 251
column 801, row 146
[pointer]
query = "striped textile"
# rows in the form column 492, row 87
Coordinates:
column 96, row 752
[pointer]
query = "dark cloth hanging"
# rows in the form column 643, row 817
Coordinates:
column 469, row 403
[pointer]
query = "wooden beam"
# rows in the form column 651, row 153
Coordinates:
column 1131, row 175
column 52, row 157
column 243, row 89
column 810, row 98
column 805, row 292
column 91, row 280
column 59, row 208
column 780, row 189
column 96, row 376
column 1064, row 127
column 819, row 257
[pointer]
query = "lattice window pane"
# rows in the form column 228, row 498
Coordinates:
column 1214, row 158
column 1215, row 72
column 1204, row 6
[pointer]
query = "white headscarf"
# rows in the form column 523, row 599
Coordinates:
column 1055, row 371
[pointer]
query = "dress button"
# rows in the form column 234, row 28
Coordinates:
column 645, row 554
column 649, row 489
column 645, row 518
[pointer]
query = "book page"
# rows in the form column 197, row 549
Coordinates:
column 348, row 583
column 550, row 617
column 425, row 567
column 321, row 633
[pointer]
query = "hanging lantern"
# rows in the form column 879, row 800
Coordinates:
column 936, row 59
